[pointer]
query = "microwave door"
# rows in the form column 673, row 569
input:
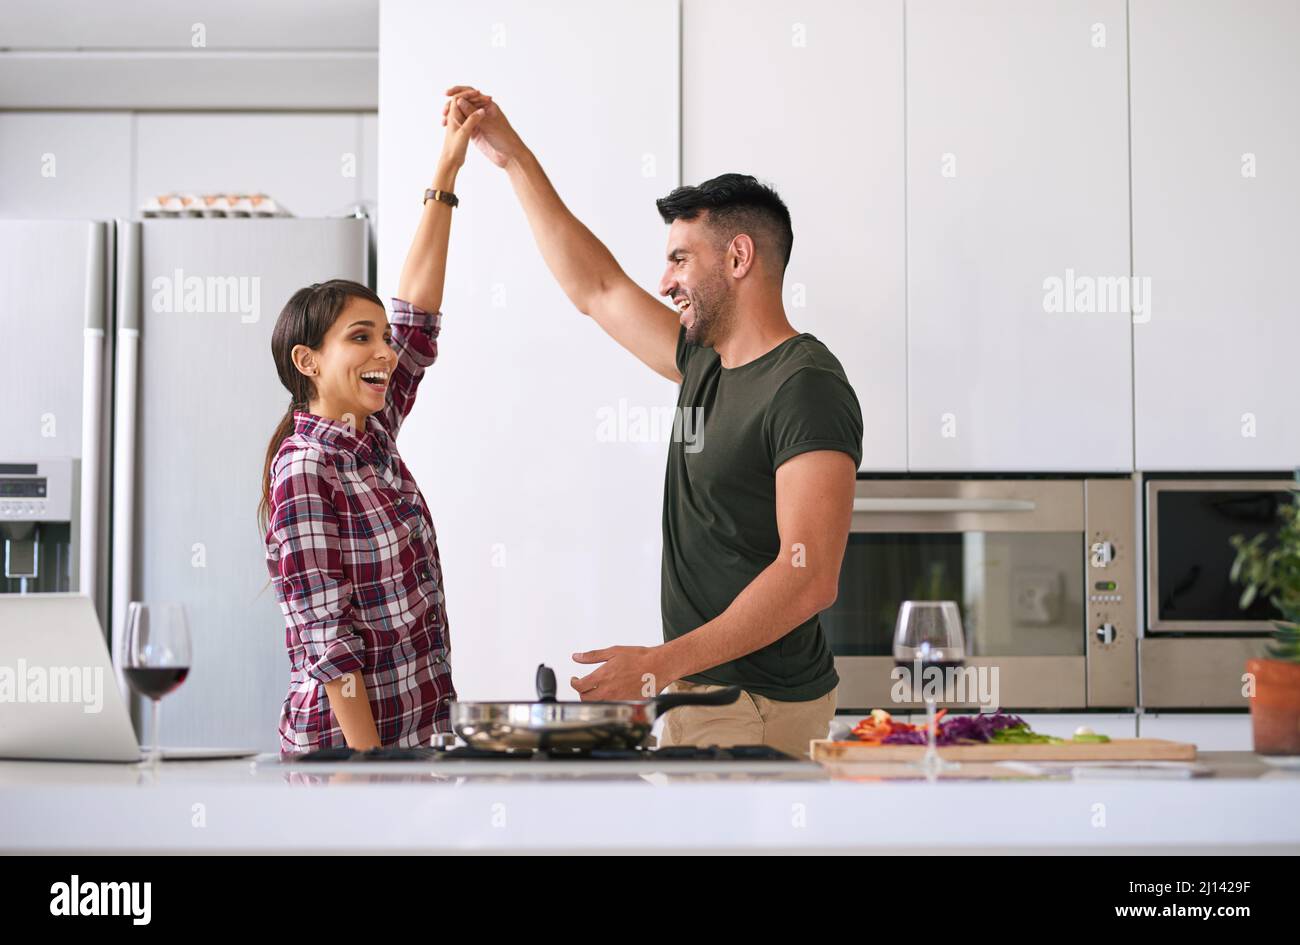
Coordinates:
column 1190, row 526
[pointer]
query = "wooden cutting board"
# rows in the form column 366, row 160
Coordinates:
column 1117, row 749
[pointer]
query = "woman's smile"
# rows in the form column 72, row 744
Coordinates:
column 376, row 380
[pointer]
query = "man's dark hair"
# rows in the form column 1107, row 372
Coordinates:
column 736, row 203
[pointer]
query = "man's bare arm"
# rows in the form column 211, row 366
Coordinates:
column 580, row 263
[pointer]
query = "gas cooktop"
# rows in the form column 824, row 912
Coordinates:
column 675, row 753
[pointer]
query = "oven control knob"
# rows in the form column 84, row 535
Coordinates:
column 1106, row 634
column 1103, row 553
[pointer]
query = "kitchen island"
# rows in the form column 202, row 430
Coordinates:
column 263, row 805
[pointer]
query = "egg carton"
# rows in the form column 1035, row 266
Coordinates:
column 212, row 205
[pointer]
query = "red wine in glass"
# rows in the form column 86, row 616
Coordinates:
column 929, row 633
column 154, row 682
column 157, row 655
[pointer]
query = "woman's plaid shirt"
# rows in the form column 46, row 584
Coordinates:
column 354, row 561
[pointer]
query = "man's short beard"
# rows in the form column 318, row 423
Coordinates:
column 713, row 313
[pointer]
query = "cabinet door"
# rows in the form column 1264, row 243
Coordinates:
column 1019, row 333
column 65, row 165
column 819, row 115
column 539, row 443
column 1216, row 197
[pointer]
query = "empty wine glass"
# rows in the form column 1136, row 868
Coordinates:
column 157, row 656
column 929, row 633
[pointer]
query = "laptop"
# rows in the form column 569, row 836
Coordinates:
column 59, row 696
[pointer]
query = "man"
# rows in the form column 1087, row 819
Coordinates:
column 758, row 499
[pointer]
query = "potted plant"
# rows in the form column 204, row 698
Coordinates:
column 1273, row 570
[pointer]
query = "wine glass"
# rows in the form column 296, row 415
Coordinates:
column 929, row 634
column 157, row 655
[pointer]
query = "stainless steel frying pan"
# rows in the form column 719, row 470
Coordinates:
column 547, row 723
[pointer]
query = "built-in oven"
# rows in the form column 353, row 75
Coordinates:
column 1198, row 638
column 1044, row 571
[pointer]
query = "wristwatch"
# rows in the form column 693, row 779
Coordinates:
column 444, row 196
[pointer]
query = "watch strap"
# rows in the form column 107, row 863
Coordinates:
column 442, row 196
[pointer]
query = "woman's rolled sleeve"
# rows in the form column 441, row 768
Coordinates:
column 415, row 339
column 315, row 593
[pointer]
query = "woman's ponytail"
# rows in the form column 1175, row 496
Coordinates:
column 282, row 431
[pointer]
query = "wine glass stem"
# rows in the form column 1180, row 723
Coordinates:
column 157, row 752
column 929, row 727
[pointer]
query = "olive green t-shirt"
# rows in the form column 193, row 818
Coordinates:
column 733, row 428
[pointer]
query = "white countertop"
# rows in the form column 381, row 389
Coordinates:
column 502, row 806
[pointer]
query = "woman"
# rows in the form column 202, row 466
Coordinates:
column 349, row 543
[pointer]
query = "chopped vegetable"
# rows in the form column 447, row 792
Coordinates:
column 880, row 728
column 1023, row 735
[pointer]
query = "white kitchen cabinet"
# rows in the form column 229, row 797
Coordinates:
column 1216, row 197
column 1220, row 731
column 536, row 439
column 1017, row 187
column 819, row 115
column 311, row 164
column 68, row 165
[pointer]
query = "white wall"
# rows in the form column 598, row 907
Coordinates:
column 549, row 536
column 311, row 164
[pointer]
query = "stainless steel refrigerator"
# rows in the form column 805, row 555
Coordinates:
column 55, row 360
column 196, row 400
column 139, row 358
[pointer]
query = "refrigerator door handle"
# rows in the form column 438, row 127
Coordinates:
column 92, row 412
column 124, row 439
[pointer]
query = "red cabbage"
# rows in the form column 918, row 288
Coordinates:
column 959, row 730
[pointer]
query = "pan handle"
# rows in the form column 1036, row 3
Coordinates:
column 724, row 696
column 545, row 683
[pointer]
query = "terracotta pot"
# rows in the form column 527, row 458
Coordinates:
column 1275, row 706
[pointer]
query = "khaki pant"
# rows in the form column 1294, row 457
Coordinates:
column 750, row 720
